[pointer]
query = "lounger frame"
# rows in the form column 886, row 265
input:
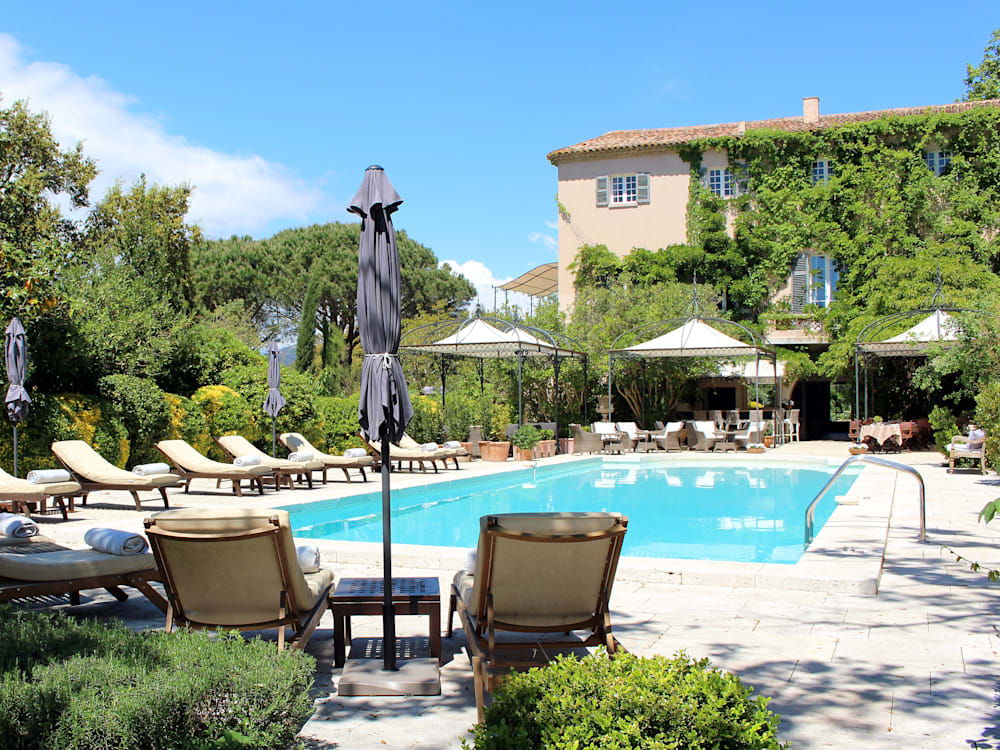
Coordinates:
column 235, row 478
column 278, row 474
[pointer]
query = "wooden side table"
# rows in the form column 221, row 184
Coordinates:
column 363, row 596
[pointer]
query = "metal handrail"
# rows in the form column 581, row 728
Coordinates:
column 811, row 510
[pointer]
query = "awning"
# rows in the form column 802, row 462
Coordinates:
column 477, row 338
column 936, row 328
column 540, row 281
column 693, row 339
column 762, row 369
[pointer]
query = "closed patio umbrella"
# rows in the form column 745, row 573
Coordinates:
column 384, row 409
column 16, row 357
column 274, row 402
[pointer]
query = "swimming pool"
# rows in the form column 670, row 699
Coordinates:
column 728, row 510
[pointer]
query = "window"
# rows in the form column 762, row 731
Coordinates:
column 720, row 182
column 623, row 189
column 814, row 281
column 938, row 161
column 822, row 170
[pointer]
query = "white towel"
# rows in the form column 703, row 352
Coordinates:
column 301, row 456
column 355, row 453
column 308, row 557
column 48, row 476
column 246, row 461
column 146, row 470
column 428, row 447
column 19, row 527
column 115, row 541
column 452, row 444
column 470, row 560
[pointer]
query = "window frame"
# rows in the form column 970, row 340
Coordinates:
column 727, row 182
column 821, row 170
column 634, row 190
column 938, row 161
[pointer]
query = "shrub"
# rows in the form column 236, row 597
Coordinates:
column 84, row 684
column 988, row 419
column 64, row 417
column 944, row 426
column 627, row 702
column 427, row 425
column 143, row 411
column 186, row 422
column 201, row 355
column 339, row 423
column 526, row 436
column 226, row 413
column 300, row 413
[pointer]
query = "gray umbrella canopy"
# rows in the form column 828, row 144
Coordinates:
column 384, row 397
column 274, row 402
column 16, row 357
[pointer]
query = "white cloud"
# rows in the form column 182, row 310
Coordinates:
column 232, row 193
column 545, row 240
column 483, row 279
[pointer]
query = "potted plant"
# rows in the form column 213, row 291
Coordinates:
column 857, row 449
column 769, row 435
column 565, row 441
column 755, row 448
column 546, row 443
column 525, row 438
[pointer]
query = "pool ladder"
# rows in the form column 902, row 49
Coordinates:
column 811, row 510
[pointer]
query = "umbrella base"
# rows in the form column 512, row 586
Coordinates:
column 369, row 677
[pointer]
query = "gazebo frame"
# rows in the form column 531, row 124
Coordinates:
column 525, row 342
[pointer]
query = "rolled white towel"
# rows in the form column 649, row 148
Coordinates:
column 48, row 476
column 301, row 456
column 452, row 444
column 308, row 557
column 19, row 527
column 355, row 453
column 146, row 470
column 428, row 447
column 470, row 560
column 246, row 461
column 115, row 541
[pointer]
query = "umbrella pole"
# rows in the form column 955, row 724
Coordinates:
column 520, row 401
column 388, row 619
column 274, row 437
column 15, row 450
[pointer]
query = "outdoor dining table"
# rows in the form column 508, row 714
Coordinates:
column 880, row 432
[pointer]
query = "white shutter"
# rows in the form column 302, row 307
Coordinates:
column 602, row 191
column 800, row 282
column 642, row 188
column 703, row 176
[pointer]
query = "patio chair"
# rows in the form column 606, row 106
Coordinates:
column 972, row 445
column 706, row 435
column 790, row 425
column 446, row 453
column 22, row 496
column 295, row 442
column 752, row 434
column 399, row 455
column 669, row 437
column 614, row 439
column 237, row 446
column 536, row 573
column 585, row 442
column 236, row 568
column 190, row 464
column 37, row 566
column 93, row 473
column 641, row 440
column 716, row 416
column 475, row 437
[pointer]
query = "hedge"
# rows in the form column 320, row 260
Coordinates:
column 87, row 685
column 143, row 410
column 227, row 413
column 339, row 425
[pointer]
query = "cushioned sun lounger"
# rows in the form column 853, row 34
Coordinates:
column 37, row 566
column 22, row 496
column 237, row 446
column 409, row 444
column 399, row 455
column 236, row 568
column 94, row 473
column 191, row 464
column 536, row 573
column 294, row 441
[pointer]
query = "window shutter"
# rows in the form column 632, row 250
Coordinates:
column 703, row 176
column 800, row 282
column 642, row 188
column 602, row 191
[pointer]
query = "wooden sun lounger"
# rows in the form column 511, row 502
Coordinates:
column 190, row 464
column 22, row 496
column 399, row 455
column 294, row 441
column 281, row 468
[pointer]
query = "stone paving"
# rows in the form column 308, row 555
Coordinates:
column 913, row 666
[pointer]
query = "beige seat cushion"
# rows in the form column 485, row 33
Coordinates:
column 23, row 489
column 237, row 445
column 84, row 461
column 71, row 563
column 294, row 441
column 183, row 455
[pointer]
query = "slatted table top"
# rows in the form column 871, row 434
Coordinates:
column 371, row 589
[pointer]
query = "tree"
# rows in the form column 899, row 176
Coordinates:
column 34, row 235
column 983, row 81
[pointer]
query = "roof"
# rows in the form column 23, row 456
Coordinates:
column 540, row 281
column 937, row 327
column 693, row 339
column 619, row 142
column 475, row 337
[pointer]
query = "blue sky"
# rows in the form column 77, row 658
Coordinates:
column 272, row 113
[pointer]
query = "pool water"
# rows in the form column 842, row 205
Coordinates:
column 741, row 512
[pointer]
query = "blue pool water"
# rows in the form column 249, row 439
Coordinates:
column 749, row 512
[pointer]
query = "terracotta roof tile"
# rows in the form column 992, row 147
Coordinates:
column 662, row 139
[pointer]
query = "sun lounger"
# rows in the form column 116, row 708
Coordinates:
column 294, row 441
column 93, row 473
column 236, row 568
column 237, row 446
column 408, row 443
column 399, row 455
column 22, row 496
column 536, row 573
column 190, row 464
column 37, row 566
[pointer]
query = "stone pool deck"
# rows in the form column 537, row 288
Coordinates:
column 913, row 665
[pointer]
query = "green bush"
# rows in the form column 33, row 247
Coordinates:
column 627, row 702
column 187, row 422
column 944, row 427
column 300, row 413
column 460, row 411
column 988, row 419
column 226, row 413
column 64, row 417
column 339, row 423
column 66, row 683
column 143, row 411
column 526, row 436
column 427, row 425
column 202, row 353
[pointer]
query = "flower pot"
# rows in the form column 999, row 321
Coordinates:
column 768, row 441
column 524, row 454
column 857, row 450
column 755, row 450
column 547, row 448
column 494, row 450
column 566, row 446
column 468, row 447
